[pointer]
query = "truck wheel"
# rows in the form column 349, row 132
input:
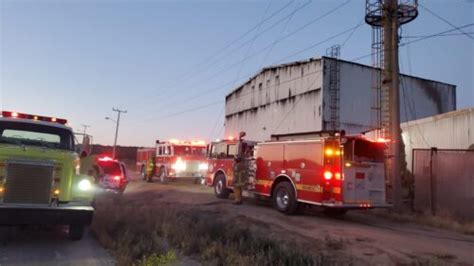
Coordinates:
column 334, row 212
column 220, row 187
column 76, row 231
column 284, row 198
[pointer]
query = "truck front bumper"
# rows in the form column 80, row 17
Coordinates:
column 64, row 214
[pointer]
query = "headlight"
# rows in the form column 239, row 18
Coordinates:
column 180, row 165
column 85, row 185
column 203, row 166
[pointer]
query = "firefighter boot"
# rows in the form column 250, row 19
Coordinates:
column 237, row 196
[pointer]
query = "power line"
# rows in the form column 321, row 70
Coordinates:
column 283, row 38
column 224, row 56
column 446, row 21
column 418, row 40
column 201, row 66
column 355, row 59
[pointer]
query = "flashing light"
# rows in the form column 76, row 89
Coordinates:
column 338, row 152
column 84, row 185
column 231, row 138
column 56, row 192
column 183, row 142
column 33, row 117
column 105, row 159
column 203, row 166
column 348, row 164
column 117, row 177
column 1, row 189
column 179, row 165
column 327, row 175
column 329, row 152
column 338, row 176
column 383, row 140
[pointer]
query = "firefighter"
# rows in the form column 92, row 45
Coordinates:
column 150, row 169
column 240, row 178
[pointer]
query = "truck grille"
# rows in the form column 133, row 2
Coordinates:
column 28, row 182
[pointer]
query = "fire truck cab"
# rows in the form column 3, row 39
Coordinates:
column 40, row 182
column 334, row 172
column 178, row 159
column 221, row 162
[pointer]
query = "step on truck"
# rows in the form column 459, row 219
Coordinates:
column 335, row 172
column 40, row 183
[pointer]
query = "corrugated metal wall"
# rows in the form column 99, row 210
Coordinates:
column 277, row 101
column 269, row 103
column 453, row 130
column 444, row 182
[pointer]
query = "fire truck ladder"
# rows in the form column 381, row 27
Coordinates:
column 334, row 86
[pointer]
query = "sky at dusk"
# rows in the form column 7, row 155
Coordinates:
column 171, row 63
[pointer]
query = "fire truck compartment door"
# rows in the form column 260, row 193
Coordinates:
column 364, row 184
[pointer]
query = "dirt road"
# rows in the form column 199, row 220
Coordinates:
column 49, row 246
column 364, row 237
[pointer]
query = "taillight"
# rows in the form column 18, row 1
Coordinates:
column 117, row 177
column 327, row 175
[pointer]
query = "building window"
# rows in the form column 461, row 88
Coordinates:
column 277, row 80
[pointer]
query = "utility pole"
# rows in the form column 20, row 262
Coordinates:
column 85, row 128
column 390, row 83
column 117, row 123
column 386, row 16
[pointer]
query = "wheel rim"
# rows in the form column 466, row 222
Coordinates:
column 282, row 198
column 219, row 187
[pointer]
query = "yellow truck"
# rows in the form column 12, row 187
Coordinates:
column 40, row 181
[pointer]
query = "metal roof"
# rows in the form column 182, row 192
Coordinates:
column 300, row 62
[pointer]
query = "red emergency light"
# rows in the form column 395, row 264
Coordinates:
column 105, row 159
column 34, row 117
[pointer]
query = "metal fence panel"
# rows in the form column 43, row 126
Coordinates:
column 444, row 181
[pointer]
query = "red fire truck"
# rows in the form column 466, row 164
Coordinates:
column 176, row 159
column 335, row 172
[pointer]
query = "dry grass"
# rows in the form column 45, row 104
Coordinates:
column 442, row 220
column 140, row 233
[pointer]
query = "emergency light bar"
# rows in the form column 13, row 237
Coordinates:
column 34, row 117
column 192, row 143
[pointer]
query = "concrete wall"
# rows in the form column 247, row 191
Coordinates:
column 294, row 98
column 453, row 130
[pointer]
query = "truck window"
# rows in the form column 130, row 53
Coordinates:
column 219, row 150
column 36, row 135
column 231, row 150
column 364, row 151
column 190, row 150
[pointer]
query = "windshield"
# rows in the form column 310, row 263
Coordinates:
column 190, row 150
column 36, row 135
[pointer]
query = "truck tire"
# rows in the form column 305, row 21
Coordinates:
column 76, row 231
column 334, row 212
column 284, row 198
column 220, row 187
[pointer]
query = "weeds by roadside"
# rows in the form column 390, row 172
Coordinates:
column 442, row 220
column 144, row 234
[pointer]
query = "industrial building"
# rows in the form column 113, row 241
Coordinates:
column 324, row 94
column 453, row 130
